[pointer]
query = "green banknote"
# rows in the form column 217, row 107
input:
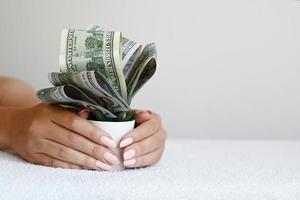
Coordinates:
column 83, row 50
column 100, row 70
column 71, row 96
column 94, row 85
column 141, row 71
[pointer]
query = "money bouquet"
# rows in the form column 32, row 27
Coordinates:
column 100, row 71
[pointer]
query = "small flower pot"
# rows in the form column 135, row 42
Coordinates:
column 117, row 130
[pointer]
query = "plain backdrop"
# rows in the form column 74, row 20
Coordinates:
column 226, row 69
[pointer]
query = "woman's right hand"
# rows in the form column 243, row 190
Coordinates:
column 54, row 136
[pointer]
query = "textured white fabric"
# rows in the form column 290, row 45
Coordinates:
column 189, row 169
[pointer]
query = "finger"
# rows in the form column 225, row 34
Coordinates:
column 145, row 146
column 53, row 162
column 82, row 144
column 81, row 126
column 143, row 131
column 67, row 154
column 142, row 116
column 145, row 160
column 83, row 113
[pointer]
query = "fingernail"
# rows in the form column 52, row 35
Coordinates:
column 84, row 115
column 111, row 158
column 108, row 142
column 129, row 154
column 83, row 111
column 126, row 142
column 143, row 111
column 102, row 165
column 149, row 112
column 129, row 162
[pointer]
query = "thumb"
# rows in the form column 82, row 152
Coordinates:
column 142, row 116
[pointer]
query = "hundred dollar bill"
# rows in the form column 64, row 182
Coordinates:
column 84, row 50
column 100, row 70
column 131, row 50
column 71, row 96
column 94, row 85
column 142, row 71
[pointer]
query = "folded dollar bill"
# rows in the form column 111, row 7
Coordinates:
column 101, row 71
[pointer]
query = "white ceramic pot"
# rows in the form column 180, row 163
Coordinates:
column 116, row 130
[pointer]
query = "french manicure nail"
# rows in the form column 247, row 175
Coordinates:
column 126, row 142
column 129, row 162
column 102, row 165
column 129, row 154
column 111, row 158
column 108, row 142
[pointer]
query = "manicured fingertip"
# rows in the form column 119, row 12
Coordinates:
column 129, row 162
column 111, row 158
column 143, row 112
column 84, row 114
column 148, row 113
column 100, row 165
column 138, row 111
column 108, row 142
column 125, row 142
column 129, row 154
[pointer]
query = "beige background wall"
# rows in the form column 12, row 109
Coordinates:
column 226, row 69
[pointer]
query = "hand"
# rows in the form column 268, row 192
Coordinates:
column 54, row 136
column 145, row 144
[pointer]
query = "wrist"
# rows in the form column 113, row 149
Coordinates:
column 7, row 126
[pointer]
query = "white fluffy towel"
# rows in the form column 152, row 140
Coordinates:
column 189, row 169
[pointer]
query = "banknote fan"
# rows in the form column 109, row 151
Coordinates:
column 100, row 71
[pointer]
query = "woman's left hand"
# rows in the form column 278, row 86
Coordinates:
column 144, row 145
